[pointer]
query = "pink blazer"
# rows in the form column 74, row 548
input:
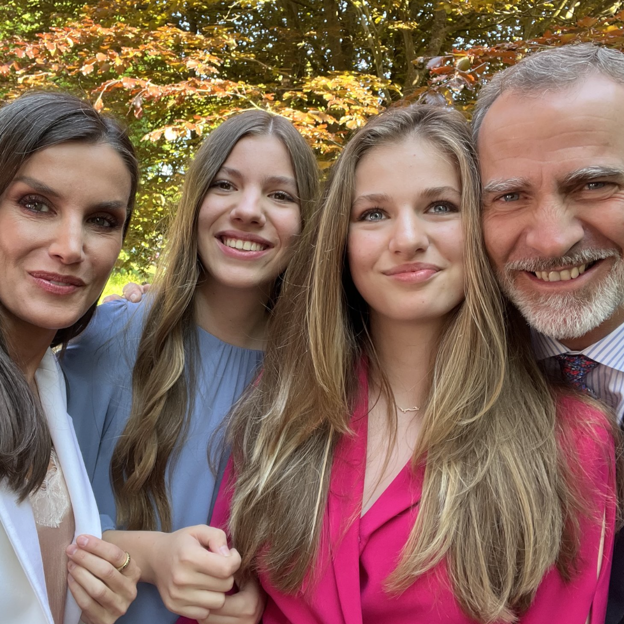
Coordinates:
column 358, row 554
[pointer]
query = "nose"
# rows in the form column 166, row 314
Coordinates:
column 67, row 244
column 409, row 234
column 249, row 209
column 554, row 229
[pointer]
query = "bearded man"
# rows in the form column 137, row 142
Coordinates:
column 550, row 136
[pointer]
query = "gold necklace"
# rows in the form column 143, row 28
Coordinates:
column 409, row 409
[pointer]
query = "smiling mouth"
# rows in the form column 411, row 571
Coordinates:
column 243, row 245
column 563, row 275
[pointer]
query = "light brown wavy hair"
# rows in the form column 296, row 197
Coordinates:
column 164, row 375
column 499, row 503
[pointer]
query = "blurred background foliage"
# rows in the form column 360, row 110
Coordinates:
column 175, row 69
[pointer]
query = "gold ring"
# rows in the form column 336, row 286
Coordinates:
column 123, row 566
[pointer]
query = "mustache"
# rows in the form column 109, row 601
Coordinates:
column 584, row 256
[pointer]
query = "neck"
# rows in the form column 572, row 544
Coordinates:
column 406, row 352
column 236, row 316
column 578, row 344
column 26, row 345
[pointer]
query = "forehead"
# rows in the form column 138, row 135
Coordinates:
column 407, row 164
column 536, row 137
column 76, row 167
column 263, row 154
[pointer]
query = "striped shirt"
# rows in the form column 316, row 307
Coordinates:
column 606, row 380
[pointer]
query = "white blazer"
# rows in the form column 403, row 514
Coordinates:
column 23, row 595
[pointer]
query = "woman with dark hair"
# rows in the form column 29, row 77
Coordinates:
column 151, row 382
column 68, row 178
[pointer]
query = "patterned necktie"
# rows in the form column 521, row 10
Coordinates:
column 575, row 368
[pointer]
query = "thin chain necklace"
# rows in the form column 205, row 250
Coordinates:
column 409, row 409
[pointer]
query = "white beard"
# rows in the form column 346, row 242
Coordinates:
column 567, row 316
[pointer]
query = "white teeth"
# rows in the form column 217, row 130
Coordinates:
column 564, row 275
column 243, row 245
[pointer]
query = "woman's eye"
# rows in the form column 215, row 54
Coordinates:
column 104, row 221
column 442, row 208
column 224, row 185
column 372, row 215
column 35, row 204
column 282, row 196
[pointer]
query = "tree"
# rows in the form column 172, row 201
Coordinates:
column 174, row 70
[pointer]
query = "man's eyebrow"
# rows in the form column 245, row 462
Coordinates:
column 505, row 186
column 587, row 174
column 38, row 186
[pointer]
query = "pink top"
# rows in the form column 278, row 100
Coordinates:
column 357, row 559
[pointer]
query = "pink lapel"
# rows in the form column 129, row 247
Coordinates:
column 344, row 507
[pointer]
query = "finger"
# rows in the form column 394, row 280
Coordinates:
column 91, row 610
column 212, row 538
column 132, row 292
column 120, row 584
column 145, row 287
column 98, row 547
column 183, row 577
column 112, row 298
column 246, row 605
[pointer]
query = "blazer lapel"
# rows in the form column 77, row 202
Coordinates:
column 344, row 509
column 19, row 525
column 51, row 387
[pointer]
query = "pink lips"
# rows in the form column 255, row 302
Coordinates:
column 56, row 283
column 413, row 273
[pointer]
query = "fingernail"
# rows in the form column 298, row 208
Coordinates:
column 224, row 550
column 134, row 297
column 71, row 549
column 82, row 541
column 71, row 565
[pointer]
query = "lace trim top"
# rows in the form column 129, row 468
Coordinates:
column 54, row 519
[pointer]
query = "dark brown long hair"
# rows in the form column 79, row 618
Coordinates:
column 163, row 380
column 29, row 124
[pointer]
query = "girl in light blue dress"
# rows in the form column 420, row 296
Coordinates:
column 150, row 383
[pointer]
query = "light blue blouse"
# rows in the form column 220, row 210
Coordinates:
column 98, row 367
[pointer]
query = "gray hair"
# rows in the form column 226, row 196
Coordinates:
column 551, row 69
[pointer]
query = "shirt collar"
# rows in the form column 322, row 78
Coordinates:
column 608, row 351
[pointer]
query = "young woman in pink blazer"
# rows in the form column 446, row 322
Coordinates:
column 402, row 458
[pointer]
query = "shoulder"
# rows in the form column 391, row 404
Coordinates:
column 588, row 437
column 578, row 416
column 115, row 321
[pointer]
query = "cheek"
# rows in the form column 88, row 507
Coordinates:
column 287, row 224
column 497, row 236
column 609, row 224
column 103, row 252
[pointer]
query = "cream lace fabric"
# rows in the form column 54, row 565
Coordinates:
column 51, row 502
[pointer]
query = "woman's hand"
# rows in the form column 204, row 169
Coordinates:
column 102, row 591
column 244, row 607
column 131, row 291
column 193, row 568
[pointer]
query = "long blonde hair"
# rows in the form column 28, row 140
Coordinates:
column 498, row 501
column 163, row 379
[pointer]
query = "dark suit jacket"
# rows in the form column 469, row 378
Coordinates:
column 615, row 608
